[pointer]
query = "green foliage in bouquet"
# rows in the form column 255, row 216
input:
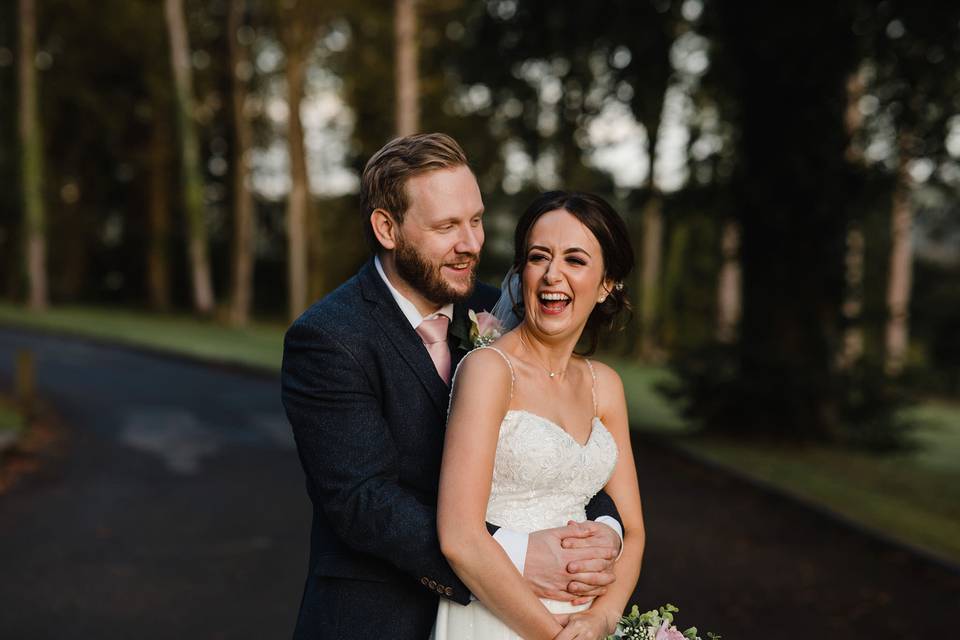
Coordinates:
column 656, row 624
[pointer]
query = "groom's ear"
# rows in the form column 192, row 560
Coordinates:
column 384, row 228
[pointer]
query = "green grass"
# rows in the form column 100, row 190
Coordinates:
column 260, row 345
column 648, row 409
column 913, row 496
column 10, row 419
column 11, row 425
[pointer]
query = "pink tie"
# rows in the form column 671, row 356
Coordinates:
column 433, row 332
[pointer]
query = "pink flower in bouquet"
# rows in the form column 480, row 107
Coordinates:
column 666, row 632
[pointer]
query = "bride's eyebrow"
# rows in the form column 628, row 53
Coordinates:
column 577, row 250
column 568, row 251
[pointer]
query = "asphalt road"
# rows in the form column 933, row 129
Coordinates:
column 178, row 511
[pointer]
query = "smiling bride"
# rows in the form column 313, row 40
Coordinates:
column 536, row 429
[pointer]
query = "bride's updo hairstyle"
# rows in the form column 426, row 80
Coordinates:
column 609, row 229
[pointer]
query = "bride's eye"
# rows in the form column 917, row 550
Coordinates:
column 537, row 257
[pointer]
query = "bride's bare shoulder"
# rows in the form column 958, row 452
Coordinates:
column 488, row 364
column 609, row 385
column 605, row 373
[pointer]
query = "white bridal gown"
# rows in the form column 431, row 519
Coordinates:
column 542, row 478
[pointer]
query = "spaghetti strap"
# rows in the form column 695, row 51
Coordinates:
column 513, row 377
column 593, row 389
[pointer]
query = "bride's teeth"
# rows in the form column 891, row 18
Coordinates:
column 554, row 296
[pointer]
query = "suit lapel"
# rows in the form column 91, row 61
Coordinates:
column 397, row 329
column 458, row 336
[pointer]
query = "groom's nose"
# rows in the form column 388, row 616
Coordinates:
column 470, row 240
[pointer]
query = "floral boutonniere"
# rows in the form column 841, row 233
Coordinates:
column 484, row 328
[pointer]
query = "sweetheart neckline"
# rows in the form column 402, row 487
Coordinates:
column 593, row 424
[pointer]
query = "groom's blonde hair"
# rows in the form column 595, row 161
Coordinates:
column 384, row 179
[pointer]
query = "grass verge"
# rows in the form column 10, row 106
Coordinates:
column 259, row 345
column 11, row 424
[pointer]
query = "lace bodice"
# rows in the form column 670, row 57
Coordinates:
column 543, row 477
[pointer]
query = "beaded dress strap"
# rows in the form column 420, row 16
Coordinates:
column 513, row 377
column 593, row 389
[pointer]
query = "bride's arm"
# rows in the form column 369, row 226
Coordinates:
column 623, row 489
column 481, row 396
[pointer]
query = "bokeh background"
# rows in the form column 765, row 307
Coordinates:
column 182, row 175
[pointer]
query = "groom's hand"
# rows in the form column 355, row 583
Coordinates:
column 591, row 576
column 560, row 571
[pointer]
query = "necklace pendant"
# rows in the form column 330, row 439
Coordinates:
column 552, row 374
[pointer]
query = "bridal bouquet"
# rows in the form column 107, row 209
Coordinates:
column 654, row 625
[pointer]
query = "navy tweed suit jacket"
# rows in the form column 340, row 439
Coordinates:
column 368, row 412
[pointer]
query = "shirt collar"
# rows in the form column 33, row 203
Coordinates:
column 409, row 309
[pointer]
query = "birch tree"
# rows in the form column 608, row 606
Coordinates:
column 31, row 158
column 192, row 175
column 297, row 23
column 241, row 298
column 406, row 74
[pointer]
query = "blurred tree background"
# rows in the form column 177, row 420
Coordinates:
column 790, row 175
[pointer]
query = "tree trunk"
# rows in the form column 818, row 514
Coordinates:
column 298, row 201
column 407, row 78
column 651, row 256
column 158, row 253
column 901, row 268
column 790, row 186
column 243, row 212
column 31, row 159
column 197, row 249
column 852, row 349
column 728, row 285
column 853, row 343
column 648, row 277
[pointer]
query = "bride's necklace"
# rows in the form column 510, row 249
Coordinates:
column 552, row 374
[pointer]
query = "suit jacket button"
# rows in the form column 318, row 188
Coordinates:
column 424, row 581
column 448, row 591
column 432, row 584
column 440, row 589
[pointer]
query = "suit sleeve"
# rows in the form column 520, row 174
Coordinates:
column 351, row 461
column 603, row 505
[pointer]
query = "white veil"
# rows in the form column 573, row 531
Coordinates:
column 506, row 310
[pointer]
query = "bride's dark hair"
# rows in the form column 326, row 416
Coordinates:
column 610, row 231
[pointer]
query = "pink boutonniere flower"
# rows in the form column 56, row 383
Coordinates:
column 484, row 328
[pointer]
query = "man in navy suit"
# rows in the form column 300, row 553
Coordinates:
column 366, row 386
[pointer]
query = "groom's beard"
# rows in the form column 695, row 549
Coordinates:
column 427, row 278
